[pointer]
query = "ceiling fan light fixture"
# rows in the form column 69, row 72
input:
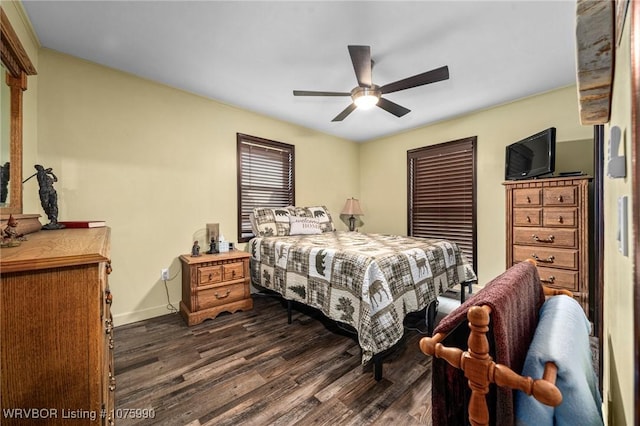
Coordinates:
column 366, row 101
column 365, row 97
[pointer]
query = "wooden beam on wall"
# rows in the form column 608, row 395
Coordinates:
column 595, row 43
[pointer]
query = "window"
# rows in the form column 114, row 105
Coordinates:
column 265, row 178
column 442, row 194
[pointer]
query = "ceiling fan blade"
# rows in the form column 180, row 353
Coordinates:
column 392, row 107
column 432, row 76
column 361, row 59
column 313, row 93
column 345, row 112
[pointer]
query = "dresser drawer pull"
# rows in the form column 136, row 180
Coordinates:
column 221, row 297
column 108, row 326
column 549, row 280
column 233, row 274
column 528, row 199
column 542, row 240
column 560, row 220
column 547, row 260
column 560, row 198
column 111, row 345
column 528, row 219
column 112, row 382
column 108, row 297
column 108, row 268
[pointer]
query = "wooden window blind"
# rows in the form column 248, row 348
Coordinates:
column 265, row 178
column 442, row 194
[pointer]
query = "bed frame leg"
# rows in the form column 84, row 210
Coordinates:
column 288, row 311
column 377, row 367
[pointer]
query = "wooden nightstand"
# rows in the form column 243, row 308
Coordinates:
column 214, row 283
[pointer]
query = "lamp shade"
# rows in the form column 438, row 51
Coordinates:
column 352, row 207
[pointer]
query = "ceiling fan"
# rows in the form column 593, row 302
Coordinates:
column 366, row 94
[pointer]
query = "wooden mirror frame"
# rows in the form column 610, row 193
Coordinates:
column 18, row 66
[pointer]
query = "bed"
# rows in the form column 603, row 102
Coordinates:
column 368, row 281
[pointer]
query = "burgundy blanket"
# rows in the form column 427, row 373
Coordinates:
column 515, row 298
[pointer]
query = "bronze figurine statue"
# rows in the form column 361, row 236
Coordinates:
column 48, row 195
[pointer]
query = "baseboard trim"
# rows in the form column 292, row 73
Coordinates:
column 141, row 315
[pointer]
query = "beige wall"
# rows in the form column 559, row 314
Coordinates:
column 495, row 128
column 618, row 269
column 158, row 164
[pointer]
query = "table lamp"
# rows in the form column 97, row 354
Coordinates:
column 352, row 209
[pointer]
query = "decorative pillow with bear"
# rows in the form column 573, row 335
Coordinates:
column 320, row 213
column 304, row 226
column 271, row 222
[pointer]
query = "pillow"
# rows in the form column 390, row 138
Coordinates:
column 270, row 222
column 320, row 213
column 304, row 226
column 252, row 221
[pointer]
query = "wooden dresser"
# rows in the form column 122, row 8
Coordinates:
column 548, row 220
column 214, row 283
column 56, row 328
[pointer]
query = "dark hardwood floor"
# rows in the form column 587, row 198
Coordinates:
column 252, row 368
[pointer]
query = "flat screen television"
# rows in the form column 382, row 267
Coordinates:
column 531, row 157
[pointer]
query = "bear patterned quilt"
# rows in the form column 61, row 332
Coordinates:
column 369, row 281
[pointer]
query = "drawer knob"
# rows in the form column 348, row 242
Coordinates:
column 233, row 273
column 222, row 297
column 108, row 297
column 549, row 280
column 560, row 198
column 560, row 219
column 542, row 240
column 547, row 260
column 210, row 276
column 528, row 219
column 108, row 268
column 528, row 199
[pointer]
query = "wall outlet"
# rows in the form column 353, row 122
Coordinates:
column 164, row 274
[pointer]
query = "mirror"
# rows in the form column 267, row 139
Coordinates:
column 5, row 140
column 16, row 66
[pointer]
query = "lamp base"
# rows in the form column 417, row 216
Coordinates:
column 352, row 223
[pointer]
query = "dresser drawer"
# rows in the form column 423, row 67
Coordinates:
column 550, row 237
column 233, row 271
column 558, row 216
column 559, row 258
column 559, row 278
column 527, row 217
column 524, row 197
column 221, row 295
column 560, row 196
column 209, row 275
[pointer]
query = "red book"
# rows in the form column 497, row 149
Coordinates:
column 83, row 223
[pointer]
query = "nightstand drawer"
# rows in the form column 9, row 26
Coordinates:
column 233, row 271
column 550, row 237
column 559, row 258
column 209, row 275
column 527, row 197
column 221, row 295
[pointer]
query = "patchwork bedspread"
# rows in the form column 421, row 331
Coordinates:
column 369, row 281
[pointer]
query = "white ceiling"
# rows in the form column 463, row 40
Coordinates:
column 252, row 54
